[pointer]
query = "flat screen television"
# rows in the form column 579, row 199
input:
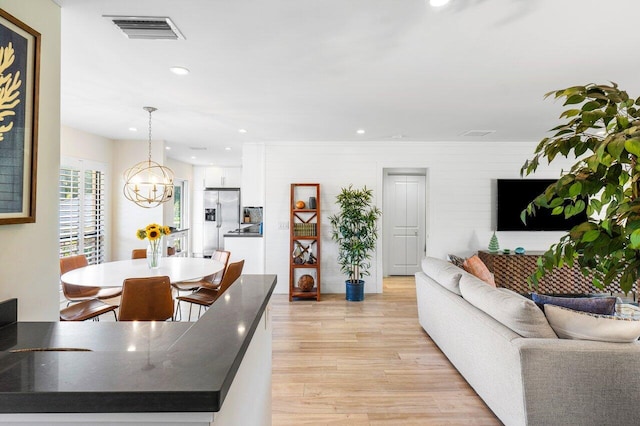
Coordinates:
column 515, row 194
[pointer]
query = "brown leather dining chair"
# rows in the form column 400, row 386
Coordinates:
column 139, row 253
column 205, row 296
column 146, row 299
column 87, row 309
column 210, row 281
column 78, row 293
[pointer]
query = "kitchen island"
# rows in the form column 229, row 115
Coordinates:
column 165, row 373
column 248, row 244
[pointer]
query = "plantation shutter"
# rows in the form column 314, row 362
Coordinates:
column 69, row 211
column 82, row 211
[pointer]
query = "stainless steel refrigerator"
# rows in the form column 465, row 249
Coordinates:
column 221, row 215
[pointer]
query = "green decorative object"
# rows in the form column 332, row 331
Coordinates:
column 355, row 229
column 601, row 129
column 494, row 246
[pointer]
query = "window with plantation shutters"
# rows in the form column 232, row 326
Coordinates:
column 82, row 210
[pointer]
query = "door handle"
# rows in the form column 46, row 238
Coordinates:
column 219, row 215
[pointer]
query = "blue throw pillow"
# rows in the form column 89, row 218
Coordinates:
column 594, row 305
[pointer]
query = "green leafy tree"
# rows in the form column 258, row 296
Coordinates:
column 602, row 130
column 355, row 231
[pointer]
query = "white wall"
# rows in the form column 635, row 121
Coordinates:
column 29, row 256
column 460, row 195
column 252, row 190
column 79, row 144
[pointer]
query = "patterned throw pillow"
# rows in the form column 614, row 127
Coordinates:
column 475, row 266
column 456, row 260
column 570, row 324
column 594, row 305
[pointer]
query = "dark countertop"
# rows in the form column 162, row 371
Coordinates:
column 132, row 366
column 253, row 230
column 177, row 231
column 243, row 235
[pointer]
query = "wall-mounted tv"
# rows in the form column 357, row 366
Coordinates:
column 515, row 194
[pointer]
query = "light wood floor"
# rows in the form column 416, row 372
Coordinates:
column 365, row 363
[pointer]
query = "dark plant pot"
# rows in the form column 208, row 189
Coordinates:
column 355, row 290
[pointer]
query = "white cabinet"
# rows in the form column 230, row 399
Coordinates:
column 222, row 177
column 213, row 177
column 253, row 380
column 251, row 249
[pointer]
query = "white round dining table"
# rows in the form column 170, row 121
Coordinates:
column 112, row 274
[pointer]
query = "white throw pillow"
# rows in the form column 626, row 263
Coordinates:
column 570, row 324
column 444, row 273
column 509, row 308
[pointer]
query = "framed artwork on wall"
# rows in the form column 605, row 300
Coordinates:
column 19, row 81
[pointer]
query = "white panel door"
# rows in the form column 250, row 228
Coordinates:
column 405, row 221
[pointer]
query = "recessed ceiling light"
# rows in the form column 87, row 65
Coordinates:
column 227, row 148
column 438, row 3
column 360, row 131
column 133, row 129
column 168, row 148
column 179, row 70
column 193, row 157
column 242, row 130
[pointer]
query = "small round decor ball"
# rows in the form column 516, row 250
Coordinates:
column 300, row 204
column 306, row 282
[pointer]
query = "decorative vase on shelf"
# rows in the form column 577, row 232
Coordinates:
column 153, row 254
column 298, row 255
column 493, row 244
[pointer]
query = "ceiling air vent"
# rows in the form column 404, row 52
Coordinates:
column 146, row 27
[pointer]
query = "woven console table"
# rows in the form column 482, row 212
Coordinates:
column 512, row 270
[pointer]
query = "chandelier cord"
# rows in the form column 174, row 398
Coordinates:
column 150, row 136
column 150, row 110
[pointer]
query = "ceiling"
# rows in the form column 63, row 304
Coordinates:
column 318, row 70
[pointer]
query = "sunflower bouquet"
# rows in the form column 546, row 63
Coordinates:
column 153, row 233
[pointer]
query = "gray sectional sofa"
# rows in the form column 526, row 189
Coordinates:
column 501, row 343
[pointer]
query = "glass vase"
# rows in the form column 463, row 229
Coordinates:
column 153, row 254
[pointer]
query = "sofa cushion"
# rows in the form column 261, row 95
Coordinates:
column 594, row 305
column 570, row 324
column 511, row 309
column 443, row 272
column 475, row 266
column 457, row 260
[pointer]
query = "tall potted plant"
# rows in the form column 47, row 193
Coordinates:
column 355, row 230
column 602, row 130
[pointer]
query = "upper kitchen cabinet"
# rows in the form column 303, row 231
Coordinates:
column 222, row 177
